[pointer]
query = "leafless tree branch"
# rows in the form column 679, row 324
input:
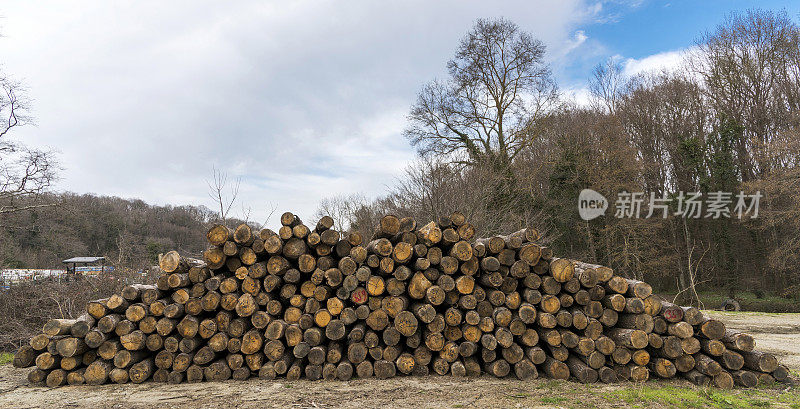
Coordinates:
column 223, row 195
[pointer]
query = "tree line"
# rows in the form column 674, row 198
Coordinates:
column 128, row 232
column 498, row 141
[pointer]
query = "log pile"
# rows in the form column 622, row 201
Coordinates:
column 311, row 302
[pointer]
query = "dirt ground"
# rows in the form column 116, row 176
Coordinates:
column 777, row 333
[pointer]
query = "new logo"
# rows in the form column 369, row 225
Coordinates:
column 591, row 204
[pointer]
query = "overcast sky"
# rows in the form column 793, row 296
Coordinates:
column 300, row 99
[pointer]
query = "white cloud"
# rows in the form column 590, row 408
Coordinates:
column 578, row 39
column 300, row 99
column 668, row 61
column 579, row 95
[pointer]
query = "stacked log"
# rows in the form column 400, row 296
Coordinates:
column 311, row 302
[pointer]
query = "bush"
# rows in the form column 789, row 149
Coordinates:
column 27, row 306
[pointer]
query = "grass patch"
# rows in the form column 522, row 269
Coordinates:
column 6, row 357
column 552, row 400
column 650, row 395
column 675, row 397
column 792, row 399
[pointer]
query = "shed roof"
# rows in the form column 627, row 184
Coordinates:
column 83, row 259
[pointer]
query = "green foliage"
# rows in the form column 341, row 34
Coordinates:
column 6, row 357
column 692, row 152
column 723, row 174
column 565, row 179
column 565, row 183
column 154, row 248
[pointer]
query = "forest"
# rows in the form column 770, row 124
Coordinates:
column 500, row 142
column 128, row 232
column 726, row 120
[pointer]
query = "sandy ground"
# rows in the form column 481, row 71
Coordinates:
column 429, row 392
column 775, row 333
column 778, row 333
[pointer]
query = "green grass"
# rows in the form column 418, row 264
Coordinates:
column 6, row 357
column 651, row 394
column 549, row 384
column 553, row 400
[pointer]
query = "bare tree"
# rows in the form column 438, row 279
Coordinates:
column 25, row 173
column 749, row 66
column 273, row 207
column 606, row 84
column 689, row 280
column 663, row 115
column 342, row 208
column 223, row 195
column 498, row 90
column 12, row 108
